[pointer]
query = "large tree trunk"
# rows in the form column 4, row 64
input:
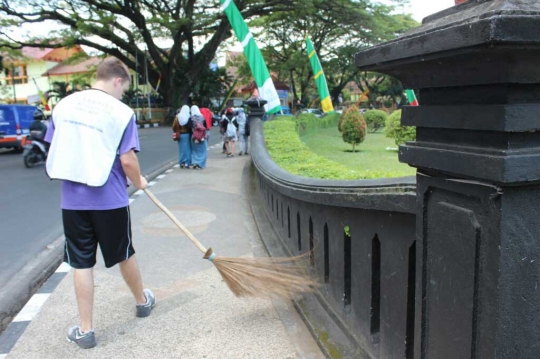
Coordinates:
column 293, row 84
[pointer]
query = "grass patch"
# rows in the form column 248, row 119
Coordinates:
column 321, row 153
column 294, row 156
column 372, row 159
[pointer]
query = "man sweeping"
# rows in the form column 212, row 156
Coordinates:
column 93, row 139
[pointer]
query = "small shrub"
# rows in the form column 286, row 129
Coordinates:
column 375, row 120
column 400, row 134
column 353, row 128
column 352, row 108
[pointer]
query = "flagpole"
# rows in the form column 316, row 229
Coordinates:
column 137, row 81
column 13, row 84
column 41, row 96
column 146, row 86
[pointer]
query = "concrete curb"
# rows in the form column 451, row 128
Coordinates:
column 26, row 282
column 31, row 277
column 149, row 125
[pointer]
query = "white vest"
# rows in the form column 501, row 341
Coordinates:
column 88, row 129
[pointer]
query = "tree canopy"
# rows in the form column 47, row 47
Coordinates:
column 179, row 38
column 337, row 28
column 193, row 29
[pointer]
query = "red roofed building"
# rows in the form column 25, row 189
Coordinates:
column 23, row 74
column 63, row 70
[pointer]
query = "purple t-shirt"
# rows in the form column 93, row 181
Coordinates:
column 113, row 194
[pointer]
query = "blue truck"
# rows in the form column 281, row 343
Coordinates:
column 14, row 123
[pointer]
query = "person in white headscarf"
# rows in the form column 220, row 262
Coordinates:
column 198, row 147
column 182, row 126
column 243, row 131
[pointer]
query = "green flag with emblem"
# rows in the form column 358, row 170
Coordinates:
column 267, row 90
column 320, row 80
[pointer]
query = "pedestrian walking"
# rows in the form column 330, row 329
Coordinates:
column 222, row 130
column 243, row 132
column 182, row 126
column 230, row 127
column 207, row 114
column 94, row 139
column 198, row 139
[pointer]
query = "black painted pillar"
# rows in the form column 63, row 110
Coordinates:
column 477, row 69
column 256, row 108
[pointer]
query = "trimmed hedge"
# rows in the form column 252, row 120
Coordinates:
column 375, row 120
column 400, row 134
column 308, row 122
column 291, row 154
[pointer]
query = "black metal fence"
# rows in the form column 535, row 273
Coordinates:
column 362, row 238
column 476, row 260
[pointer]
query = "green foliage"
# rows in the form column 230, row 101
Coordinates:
column 352, row 108
column 320, row 153
column 333, row 28
column 308, row 122
column 340, row 122
column 347, row 231
column 130, row 94
column 400, row 134
column 291, row 154
column 353, row 129
column 209, row 84
column 131, row 31
column 61, row 89
column 374, row 161
column 375, row 120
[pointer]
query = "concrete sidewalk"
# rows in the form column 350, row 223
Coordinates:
column 196, row 315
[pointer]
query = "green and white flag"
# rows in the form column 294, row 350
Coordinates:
column 320, row 80
column 267, row 91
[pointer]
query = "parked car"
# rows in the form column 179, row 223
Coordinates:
column 317, row 112
column 14, row 123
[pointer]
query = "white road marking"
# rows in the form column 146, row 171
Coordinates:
column 32, row 307
column 169, row 171
column 131, row 200
column 151, row 183
column 176, row 166
column 160, row 176
column 138, row 193
column 63, row 268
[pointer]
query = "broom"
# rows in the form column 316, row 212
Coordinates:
column 253, row 277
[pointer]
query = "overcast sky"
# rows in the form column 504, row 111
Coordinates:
column 422, row 8
column 418, row 8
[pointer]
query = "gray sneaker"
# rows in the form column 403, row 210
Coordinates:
column 85, row 341
column 144, row 310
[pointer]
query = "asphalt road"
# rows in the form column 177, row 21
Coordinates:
column 30, row 216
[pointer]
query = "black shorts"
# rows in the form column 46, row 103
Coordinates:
column 85, row 229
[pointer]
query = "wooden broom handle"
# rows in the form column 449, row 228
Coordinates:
column 176, row 221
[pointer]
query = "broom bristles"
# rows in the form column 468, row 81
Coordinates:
column 265, row 277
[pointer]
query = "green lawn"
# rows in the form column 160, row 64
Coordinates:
column 372, row 159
